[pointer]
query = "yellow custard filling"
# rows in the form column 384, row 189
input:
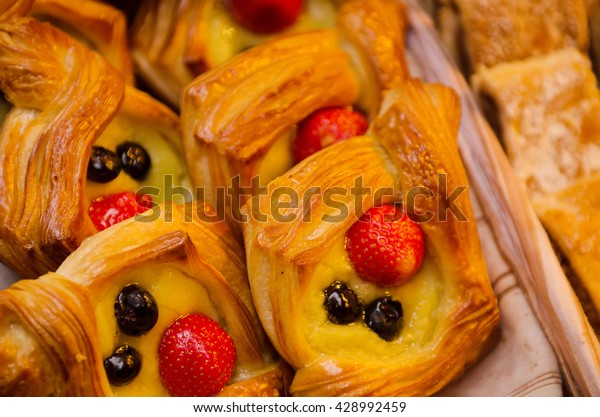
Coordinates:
column 278, row 158
column 176, row 295
column 167, row 169
column 421, row 300
column 228, row 38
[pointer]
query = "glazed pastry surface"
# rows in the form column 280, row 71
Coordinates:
column 254, row 101
column 451, row 312
column 251, row 104
column 66, row 98
column 571, row 217
column 188, row 266
column 174, row 41
column 97, row 25
column 491, row 32
column 547, row 109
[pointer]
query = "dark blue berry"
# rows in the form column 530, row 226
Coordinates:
column 136, row 310
column 123, row 365
column 384, row 317
column 135, row 160
column 103, row 166
column 341, row 303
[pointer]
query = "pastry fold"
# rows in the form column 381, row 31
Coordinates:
column 14, row 8
column 56, row 330
column 232, row 116
column 48, row 342
column 64, row 97
column 239, row 119
column 174, row 41
column 99, row 26
column 490, row 32
column 409, row 144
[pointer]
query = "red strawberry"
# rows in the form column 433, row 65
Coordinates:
column 195, row 357
column 109, row 210
column 325, row 127
column 385, row 246
column 265, row 16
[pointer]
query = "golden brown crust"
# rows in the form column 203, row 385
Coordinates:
column 548, row 110
column 99, row 25
column 571, row 217
column 412, row 140
column 49, row 345
column 377, row 28
column 249, row 102
column 547, row 115
column 14, row 8
column 497, row 31
column 46, row 135
column 171, row 39
column 57, row 311
column 205, row 251
column 63, row 98
column 270, row 383
column 166, row 35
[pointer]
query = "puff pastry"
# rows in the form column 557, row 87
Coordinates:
column 546, row 110
column 66, row 99
column 99, row 26
column 489, row 32
column 571, row 217
column 239, row 119
column 451, row 316
column 57, row 329
column 174, row 41
column 14, row 8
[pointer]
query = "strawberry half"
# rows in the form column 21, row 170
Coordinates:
column 325, row 127
column 385, row 246
column 109, row 210
column 195, row 357
column 265, row 16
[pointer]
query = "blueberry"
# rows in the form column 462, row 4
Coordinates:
column 135, row 159
column 341, row 303
column 103, row 166
column 136, row 310
column 123, row 365
column 384, row 317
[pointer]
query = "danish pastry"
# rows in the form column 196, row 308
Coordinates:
column 546, row 111
column 489, row 32
column 369, row 320
column 75, row 143
column 14, row 8
column 97, row 25
column 174, row 41
column 239, row 120
column 99, row 324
